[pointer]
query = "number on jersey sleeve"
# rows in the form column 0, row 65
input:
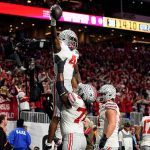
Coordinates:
column 146, row 127
column 73, row 60
column 82, row 115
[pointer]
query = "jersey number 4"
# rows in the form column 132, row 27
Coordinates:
column 73, row 60
column 82, row 115
column 146, row 128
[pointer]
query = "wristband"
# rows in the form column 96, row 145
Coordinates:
column 53, row 22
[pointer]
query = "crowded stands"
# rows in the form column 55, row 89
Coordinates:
column 126, row 67
column 114, row 52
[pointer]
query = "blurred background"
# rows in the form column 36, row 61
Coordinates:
column 114, row 47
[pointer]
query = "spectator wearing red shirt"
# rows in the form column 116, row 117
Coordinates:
column 122, row 104
column 129, row 105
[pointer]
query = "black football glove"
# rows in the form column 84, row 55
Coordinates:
column 103, row 141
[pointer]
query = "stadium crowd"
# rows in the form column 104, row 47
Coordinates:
column 127, row 68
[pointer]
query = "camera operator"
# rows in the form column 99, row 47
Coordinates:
column 11, row 52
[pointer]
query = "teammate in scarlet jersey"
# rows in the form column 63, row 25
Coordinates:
column 74, row 111
column 64, row 48
column 109, row 118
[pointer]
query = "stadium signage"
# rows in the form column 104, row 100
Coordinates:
column 126, row 24
column 8, row 106
column 43, row 13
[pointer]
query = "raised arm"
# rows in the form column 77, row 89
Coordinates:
column 55, row 39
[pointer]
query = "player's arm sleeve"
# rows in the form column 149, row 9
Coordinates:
column 63, row 93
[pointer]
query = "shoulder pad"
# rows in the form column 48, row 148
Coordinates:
column 111, row 105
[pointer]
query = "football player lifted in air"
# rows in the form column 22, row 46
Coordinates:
column 64, row 48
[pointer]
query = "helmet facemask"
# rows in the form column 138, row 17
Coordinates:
column 107, row 92
column 72, row 43
column 69, row 38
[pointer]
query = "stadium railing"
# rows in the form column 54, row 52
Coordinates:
column 37, row 117
column 41, row 117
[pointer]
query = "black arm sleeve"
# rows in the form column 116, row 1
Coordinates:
column 60, row 64
column 60, row 88
column 63, row 93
